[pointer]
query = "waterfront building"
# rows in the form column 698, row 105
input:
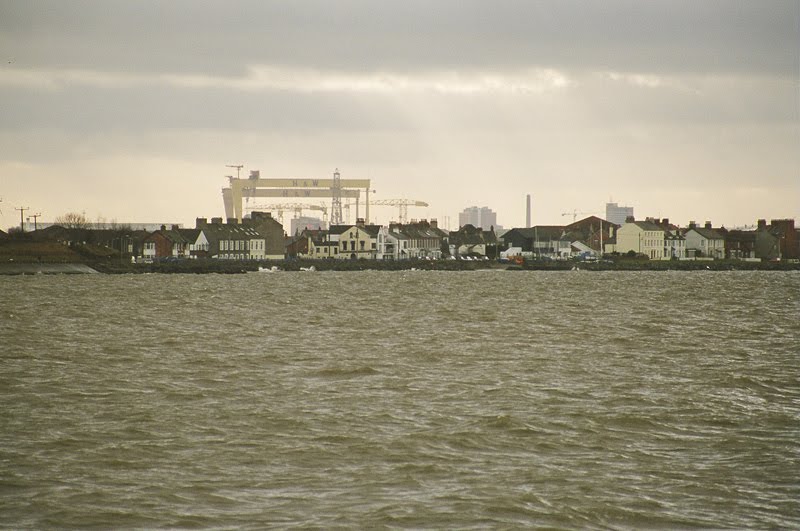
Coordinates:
column 786, row 234
column 705, row 241
column 392, row 244
column 323, row 249
column 592, row 231
column 165, row 243
column 271, row 230
column 355, row 241
column 473, row 241
column 642, row 237
column 421, row 239
column 750, row 245
column 540, row 241
column 229, row 241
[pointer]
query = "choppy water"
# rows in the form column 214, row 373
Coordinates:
column 401, row 400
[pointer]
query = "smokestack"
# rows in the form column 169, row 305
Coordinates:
column 528, row 211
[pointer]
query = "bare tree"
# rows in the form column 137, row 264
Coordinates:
column 73, row 220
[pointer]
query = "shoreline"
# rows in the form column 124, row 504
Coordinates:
column 113, row 267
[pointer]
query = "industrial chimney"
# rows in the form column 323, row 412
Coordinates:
column 528, row 211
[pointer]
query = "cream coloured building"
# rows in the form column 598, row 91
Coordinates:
column 355, row 241
column 641, row 237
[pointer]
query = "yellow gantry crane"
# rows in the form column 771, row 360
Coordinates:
column 297, row 208
column 402, row 205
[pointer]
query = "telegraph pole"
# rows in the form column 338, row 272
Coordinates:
column 35, row 218
column 22, row 217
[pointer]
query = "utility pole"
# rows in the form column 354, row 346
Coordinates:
column 22, row 217
column 35, row 218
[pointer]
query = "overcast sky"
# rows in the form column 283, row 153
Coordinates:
column 130, row 110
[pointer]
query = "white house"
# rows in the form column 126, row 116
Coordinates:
column 704, row 241
column 674, row 245
column 258, row 248
column 392, row 245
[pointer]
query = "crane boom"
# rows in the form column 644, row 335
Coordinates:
column 402, row 204
column 298, row 208
column 575, row 214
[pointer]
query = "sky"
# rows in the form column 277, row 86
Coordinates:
column 130, row 111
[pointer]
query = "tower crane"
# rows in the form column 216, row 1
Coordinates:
column 237, row 166
column 402, row 205
column 575, row 214
column 298, row 208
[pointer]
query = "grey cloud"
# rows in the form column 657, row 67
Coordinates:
column 593, row 99
column 731, row 36
column 83, row 110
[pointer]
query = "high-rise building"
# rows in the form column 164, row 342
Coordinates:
column 617, row 214
column 482, row 217
column 304, row 222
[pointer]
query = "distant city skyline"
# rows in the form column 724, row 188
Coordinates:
column 481, row 217
column 134, row 111
column 618, row 214
column 291, row 223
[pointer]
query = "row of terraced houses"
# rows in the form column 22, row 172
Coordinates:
column 658, row 239
column 262, row 237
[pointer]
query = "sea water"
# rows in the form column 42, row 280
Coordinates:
column 401, row 400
